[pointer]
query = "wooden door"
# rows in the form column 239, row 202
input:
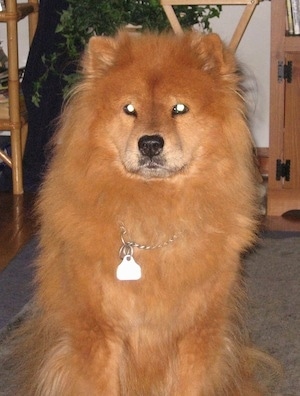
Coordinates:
column 291, row 138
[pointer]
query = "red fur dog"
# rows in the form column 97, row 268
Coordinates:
column 152, row 169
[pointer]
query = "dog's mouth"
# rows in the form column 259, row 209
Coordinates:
column 158, row 167
column 153, row 167
column 152, row 163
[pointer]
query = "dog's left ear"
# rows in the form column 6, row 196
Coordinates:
column 99, row 55
column 212, row 53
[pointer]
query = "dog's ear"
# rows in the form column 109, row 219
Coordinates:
column 99, row 55
column 212, row 54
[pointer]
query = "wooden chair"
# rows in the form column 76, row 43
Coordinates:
column 15, row 121
column 250, row 6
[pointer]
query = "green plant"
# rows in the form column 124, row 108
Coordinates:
column 85, row 18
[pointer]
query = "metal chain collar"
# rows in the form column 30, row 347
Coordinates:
column 127, row 246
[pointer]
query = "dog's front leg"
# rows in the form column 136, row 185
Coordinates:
column 212, row 366
column 207, row 365
column 87, row 370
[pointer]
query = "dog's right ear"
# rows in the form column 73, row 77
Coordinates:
column 99, row 55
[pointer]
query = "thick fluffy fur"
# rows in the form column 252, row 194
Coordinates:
column 178, row 330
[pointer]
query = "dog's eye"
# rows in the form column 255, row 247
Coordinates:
column 179, row 108
column 130, row 110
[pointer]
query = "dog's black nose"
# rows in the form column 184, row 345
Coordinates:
column 151, row 145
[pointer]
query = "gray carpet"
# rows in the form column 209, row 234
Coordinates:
column 274, row 301
column 272, row 278
column 16, row 283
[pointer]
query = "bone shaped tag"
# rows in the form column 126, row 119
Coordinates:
column 128, row 269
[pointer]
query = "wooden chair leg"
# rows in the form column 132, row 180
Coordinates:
column 173, row 19
column 242, row 25
column 16, row 156
column 33, row 21
column 250, row 6
column 24, row 133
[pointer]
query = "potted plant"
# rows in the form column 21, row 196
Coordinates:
column 85, row 18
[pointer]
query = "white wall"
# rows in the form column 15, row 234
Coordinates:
column 253, row 52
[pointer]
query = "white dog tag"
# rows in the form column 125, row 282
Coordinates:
column 128, row 269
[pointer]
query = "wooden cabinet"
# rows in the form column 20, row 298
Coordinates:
column 284, row 148
column 14, row 122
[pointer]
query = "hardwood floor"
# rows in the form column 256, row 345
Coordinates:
column 18, row 225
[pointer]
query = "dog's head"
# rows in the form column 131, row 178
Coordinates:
column 157, row 102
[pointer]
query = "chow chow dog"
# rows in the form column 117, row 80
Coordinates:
column 149, row 202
